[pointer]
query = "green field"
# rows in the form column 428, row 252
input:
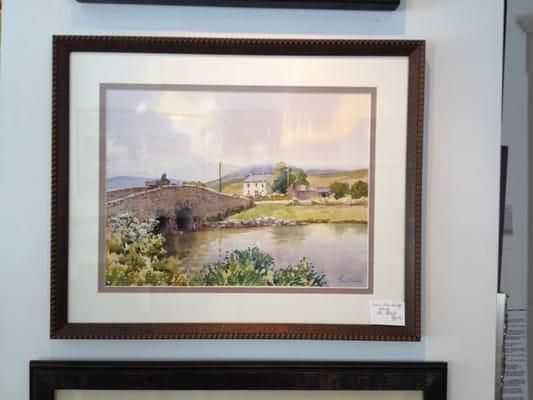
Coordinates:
column 232, row 187
column 301, row 213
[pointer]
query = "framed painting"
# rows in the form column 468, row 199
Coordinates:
column 236, row 188
column 381, row 5
column 83, row 380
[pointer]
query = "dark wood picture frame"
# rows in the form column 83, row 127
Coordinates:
column 380, row 5
column 63, row 46
column 48, row 376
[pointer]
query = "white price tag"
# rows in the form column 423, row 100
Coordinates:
column 387, row 312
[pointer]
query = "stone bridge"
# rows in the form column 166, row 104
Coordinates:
column 182, row 208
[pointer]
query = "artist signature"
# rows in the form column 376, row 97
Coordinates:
column 355, row 279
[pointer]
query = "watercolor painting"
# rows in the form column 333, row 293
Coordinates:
column 237, row 186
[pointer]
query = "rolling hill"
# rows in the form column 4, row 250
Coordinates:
column 348, row 177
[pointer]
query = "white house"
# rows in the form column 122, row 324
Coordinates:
column 257, row 185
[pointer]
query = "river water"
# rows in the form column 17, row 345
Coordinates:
column 339, row 250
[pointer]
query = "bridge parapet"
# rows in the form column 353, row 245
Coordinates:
column 120, row 193
column 166, row 202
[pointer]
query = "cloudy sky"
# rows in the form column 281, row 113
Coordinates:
column 187, row 133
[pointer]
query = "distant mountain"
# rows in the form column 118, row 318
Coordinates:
column 242, row 173
column 124, row 182
column 322, row 171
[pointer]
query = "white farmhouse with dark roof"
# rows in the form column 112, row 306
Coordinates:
column 257, row 185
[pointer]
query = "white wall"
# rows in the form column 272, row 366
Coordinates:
column 461, row 180
column 515, row 135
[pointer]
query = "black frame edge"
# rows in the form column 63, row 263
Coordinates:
column 363, row 5
column 48, row 376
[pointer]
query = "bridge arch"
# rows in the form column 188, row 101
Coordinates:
column 185, row 219
column 163, row 225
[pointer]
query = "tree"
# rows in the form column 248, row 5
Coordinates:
column 300, row 177
column 279, row 184
column 359, row 189
column 279, row 168
column 283, row 177
column 279, row 178
column 339, row 189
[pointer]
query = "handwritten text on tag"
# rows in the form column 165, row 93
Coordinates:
column 387, row 312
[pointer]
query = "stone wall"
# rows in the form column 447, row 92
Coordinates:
column 167, row 201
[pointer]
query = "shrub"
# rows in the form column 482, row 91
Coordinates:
column 223, row 215
column 130, row 228
column 116, row 274
column 301, row 274
column 248, row 267
column 359, row 189
column 136, row 256
column 339, row 189
column 252, row 267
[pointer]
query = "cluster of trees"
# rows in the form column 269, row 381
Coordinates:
column 283, row 176
column 357, row 190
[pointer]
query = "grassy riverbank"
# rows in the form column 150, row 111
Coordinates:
column 305, row 213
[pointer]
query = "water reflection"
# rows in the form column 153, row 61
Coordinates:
column 338, row 250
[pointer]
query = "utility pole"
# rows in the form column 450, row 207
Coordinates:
column 220, row 176
column 288, row 178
